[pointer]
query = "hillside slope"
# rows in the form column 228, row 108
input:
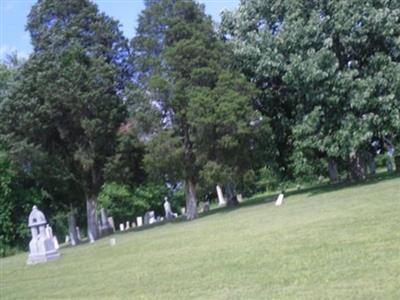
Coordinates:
column 329, row 243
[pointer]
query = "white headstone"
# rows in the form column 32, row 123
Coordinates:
column 55, row 241
column 240, row 198
column 111, row 222
column 127, row 226
column 183, row 210
column 139, row 221
column 280, row 199
column 121, row 227
column 78, row 233
column 221, row 199
column 167, row 209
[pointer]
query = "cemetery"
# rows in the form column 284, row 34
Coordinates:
column 199, row 149
column 324, row 242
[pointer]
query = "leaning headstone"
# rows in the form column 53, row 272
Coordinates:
column 280, row 199
column 139, row 221
column 41, row 248
column 221, row 199
column 121, row 227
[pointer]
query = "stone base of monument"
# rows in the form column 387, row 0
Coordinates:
column 42, row 250
column 41, row 258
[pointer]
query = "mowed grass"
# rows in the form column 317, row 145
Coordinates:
column 325, row 243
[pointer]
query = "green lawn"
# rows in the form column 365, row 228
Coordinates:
column 338, row 242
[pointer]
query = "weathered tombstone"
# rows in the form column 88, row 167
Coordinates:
column 41, row 247
column 280, row 199
column 139, row 221
column 221, row 199
column 167, row 209
column 133, row 225
column 121, row 227
column 111, row 222
column 105, row 227
column 73, row 238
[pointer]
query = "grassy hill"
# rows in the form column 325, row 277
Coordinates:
column 339, row 242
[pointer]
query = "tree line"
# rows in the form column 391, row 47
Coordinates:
column 279, row 91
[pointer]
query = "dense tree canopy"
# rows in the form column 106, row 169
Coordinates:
column 326, row 70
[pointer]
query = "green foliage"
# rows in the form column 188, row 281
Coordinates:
column 125, row 203
column 16, row 201
column 328, row 72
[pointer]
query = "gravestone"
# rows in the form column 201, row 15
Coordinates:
column 139, row 221
column 280, row 199
column 121, row 227
column 167, row 209
column 111, row 222
column 152, row 217
column 183, row 211
column 149, row 217
column 221, row 199
column 41, row 247
column 78, row 233
column 127, row 225
column 105, row 227
column 73, row 238
column 239, row 198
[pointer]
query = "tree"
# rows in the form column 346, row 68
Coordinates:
column 320, row 66
column 184, row 75
column 67, row 105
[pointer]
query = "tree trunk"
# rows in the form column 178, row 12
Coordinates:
column 332, row 170
column 92, row 226
column 356, row 167
column 73, row 236
column 231, row 196
column 191, row 202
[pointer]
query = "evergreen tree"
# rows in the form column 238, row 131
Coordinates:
column 66, row 107
column 180, row 64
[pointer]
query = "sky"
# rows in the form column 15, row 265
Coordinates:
column 13, row 17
